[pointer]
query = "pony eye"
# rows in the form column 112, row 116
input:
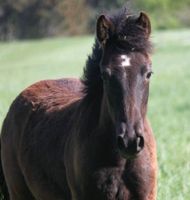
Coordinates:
column 148, row 75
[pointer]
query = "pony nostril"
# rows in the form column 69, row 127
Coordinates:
column 139, row 143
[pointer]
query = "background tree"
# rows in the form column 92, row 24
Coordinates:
column 23, row 19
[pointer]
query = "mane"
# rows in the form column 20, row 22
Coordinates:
column 91, row 74
column 136, row 40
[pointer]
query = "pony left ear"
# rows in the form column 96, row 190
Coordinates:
column 104, row 29
column 144, row 21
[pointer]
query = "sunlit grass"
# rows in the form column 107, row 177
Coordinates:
column 169, row 112
column 22, row 63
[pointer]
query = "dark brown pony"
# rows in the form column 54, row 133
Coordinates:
column 87, row 139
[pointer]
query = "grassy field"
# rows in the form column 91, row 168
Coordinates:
column 22, row 63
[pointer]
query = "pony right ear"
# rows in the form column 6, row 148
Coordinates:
column 144, row 21
column 104, row 29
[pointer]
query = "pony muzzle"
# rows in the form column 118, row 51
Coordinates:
column 129, row 147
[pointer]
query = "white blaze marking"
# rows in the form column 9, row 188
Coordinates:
column 125, row 61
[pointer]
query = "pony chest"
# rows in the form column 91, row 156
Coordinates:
column 110, row 185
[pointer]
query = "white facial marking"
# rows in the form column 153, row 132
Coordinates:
column 125, row 61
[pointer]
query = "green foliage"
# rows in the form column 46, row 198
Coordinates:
column 166, row 13
column 27, row 18
column 23, row 19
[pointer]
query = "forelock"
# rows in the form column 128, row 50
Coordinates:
column 128, row 34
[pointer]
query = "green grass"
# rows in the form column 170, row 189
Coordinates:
column 169, row 112
column 22, row 63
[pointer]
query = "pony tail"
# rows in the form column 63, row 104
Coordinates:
column 4, row 195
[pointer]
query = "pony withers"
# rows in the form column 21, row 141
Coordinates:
column 88, row 138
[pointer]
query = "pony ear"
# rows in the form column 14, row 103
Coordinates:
column 104, row 29
column 144, row 21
